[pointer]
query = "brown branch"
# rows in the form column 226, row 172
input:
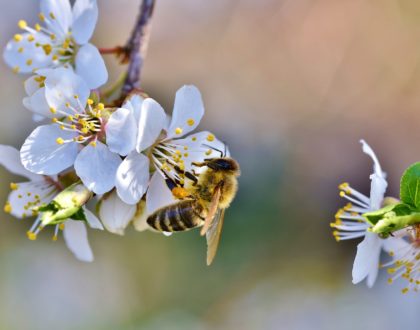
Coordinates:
column 136, row 46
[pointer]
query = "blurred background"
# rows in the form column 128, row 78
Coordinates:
column 291, row 86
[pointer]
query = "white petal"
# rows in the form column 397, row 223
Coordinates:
column 61, row 86
column 75, row 236
column 30, row 194
column 134, row 102
column 140, row 218
column 132, row 178
column 37, row 103
column 115, row 214
column 58, row 16
column 85, row 16
column 41, row 153
column 24, row 56
column 92, row 220
column 121, row 131
column 91, row 66
column 187, row 113
column 200, row 146
column 151, row 123
column 366, row 263
column 96, row 167
column 158, row 194
column 10, row 159
column 394, row 244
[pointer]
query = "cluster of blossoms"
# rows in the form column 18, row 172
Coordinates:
column 88, row 163
column 383, row 223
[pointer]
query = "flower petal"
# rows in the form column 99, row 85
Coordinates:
column 37, row 103
column 58, row 16
column 121, row 131
column 10, row 159
column 96, row 166
column 115, row 214
column 134, row 102
column 187, row 113
column 92, row 220
column 140, row 218
column 85, row 16
column 91, row 66
column 75, row 236
column 24, row 57
column 61, row 87
column 366, row 263
column 41, row 153
column 152, row 121
column 132, row 178
column 27, row 195
column 158, row 194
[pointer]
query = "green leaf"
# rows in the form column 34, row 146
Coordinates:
column 398, row 209
column 410, row 186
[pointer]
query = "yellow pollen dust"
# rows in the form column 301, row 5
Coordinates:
column 210, row 137
column 60, row 140
column 22, row 24
column 18, row 37
column 190, row 122
column 179, row 192
column 31, row 235
column 7, row 207
column 14, row 186
column 178, row 130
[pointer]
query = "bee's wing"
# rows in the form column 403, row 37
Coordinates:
column 212, row 210
column 213, row 235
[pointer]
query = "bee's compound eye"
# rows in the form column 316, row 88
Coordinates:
column 222, row 164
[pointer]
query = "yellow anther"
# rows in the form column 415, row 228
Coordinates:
column 391, row 270
column 31, row 38
column 391, row 253
column 190, row 122
column 59, row 140
column 210, row 137
column 53, row 110
column 66, row 44
column 404, row 291
column 7, row 207
column 31, row 235
column 37, row 27
column 73, row 126
column 67, row 104
column 76, row 96
column 14, row 186
column 62, row 127
column 186, row 154
column 41, row 17
column 20, row 50
column 54, row 238
column 194, row 138
column 90, row 101
column 185, row 148
column 101, row 106
column 179, row 192
column 178, row 152
column 52, row 36
column 84, row 130
column 18, row 37
column 93, row 143
column 208, row 152
column 55, row 58
column 52, row 15
column 16, row 69
column 29, row 62
column 390, row 280
column 54, row 120
column 19, row 196
column 22, row 24
column 342, row 194
column 178, row 130
column 47, row 49
column 61, row 226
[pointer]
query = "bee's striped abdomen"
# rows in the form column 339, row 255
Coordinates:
column 176, row 217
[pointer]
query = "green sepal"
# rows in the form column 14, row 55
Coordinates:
column 398, row 209
column 391, row 223
column 410, row 186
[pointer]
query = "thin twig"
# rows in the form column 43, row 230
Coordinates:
column 136, row 46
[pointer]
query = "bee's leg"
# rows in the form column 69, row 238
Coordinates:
column 199, row 164
column 187, row 174
column 171, row 183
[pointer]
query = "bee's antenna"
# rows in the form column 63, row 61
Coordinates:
column 215, row 149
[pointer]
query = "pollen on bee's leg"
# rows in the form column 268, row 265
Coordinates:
column 179, row 192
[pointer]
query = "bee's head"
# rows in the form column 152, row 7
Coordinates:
column 224, row 164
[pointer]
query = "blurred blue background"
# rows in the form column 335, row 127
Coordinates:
column 291, row 86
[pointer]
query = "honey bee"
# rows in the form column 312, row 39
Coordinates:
column 203, row 201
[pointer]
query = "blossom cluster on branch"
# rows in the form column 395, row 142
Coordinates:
column 91, row 162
